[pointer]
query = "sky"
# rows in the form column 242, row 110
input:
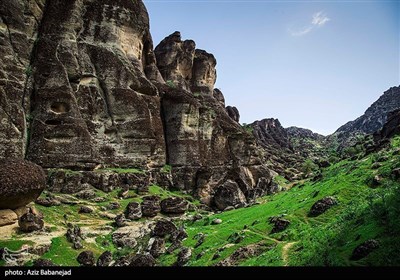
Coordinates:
column 311, row 64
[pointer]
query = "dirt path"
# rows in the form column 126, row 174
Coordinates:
column 285, row 250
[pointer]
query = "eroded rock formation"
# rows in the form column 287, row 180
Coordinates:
column 81, row 88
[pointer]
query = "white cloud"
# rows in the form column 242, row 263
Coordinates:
column 301, row 32
column 319, row 19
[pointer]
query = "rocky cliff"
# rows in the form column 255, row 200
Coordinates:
column 371, row 121
column 82, row 88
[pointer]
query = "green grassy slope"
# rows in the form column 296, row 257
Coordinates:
column 363, row 212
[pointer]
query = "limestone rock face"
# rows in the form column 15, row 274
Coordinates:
column 229, row 194
column 205, row 146
column 21, row 182
column 92, row 96
column 19, row 21
column 81, row 88
column 233, row 112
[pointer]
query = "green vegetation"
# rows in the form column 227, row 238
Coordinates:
column 170, row 83
column 248, row 128
column 121, row 170
column 309, row 167
column 166, row 168
column 329, row 239
column 28, row 70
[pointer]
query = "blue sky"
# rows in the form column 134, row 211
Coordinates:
column 312, row 64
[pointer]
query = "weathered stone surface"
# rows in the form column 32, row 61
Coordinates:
column 279, row 223
column 242, row 254
column 184, row 256
column 74, row 235
column 233, row 113
column 322, row 205
column 174, row 205
column 157, row 246
column 151, row 206
column 229, row 194
column 93, row 97
column 7, row 217
column 133, row 211
column 47, row 201
column 21, row 182
column 163, row 228
column 43, row 263
column 19, row 23
column 105, row 259
column 364, row 249
column 85, row 209
column 30, row 222
column 86, row 258
column 142, row 260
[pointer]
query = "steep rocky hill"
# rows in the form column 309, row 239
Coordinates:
column 371, row 121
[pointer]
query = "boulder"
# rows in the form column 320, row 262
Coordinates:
column 157, row 246
column 279, row 223
column 142, row 260
column 133, row 211
column 120, row 220
column 124, row 239
column 216, row 221
column 113, row 205
column 86, row 258
column 184, row 256
column 163, row 228
column 85, row 209
column 151, row 206
column 229, row 194
column 30, row 222
column 47, row 201
column 21, row 182
column 105, row 259
column 322, row 205
column 174, row 205
column 43, row 263
column 7, row 217
column 364, row 249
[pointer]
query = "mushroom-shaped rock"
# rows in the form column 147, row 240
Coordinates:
column 21, row 182
column 163, row 228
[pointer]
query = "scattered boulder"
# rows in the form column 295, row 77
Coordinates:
column 120, row 220
column 242, row 254
column 7, row 217
column 279, row 223
column 322, row 205
column 151, row 206
column 47, row 201
column 124, row 239
column 74, row 235
column 43, row 263
column 86, row 194
column 86, row 258
column 105, row 259
column 174, row 205
column 122, row 261
column 133, row 211
column 85, row 209
column 21, row 182
column 157, row 246
column 113, row 205
column 184, row 256
column 30, row 222
column 364, row 249
column 216, row 221
column 142, row 260
column 229, row 194
column 163, row 228
column 178, row 236
column 396, row 173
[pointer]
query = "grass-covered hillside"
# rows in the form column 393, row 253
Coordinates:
column 368, row 207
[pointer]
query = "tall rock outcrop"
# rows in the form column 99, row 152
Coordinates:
column 82, row 88
column 205, row 146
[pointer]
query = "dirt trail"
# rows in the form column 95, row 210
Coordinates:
column 285, row 250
